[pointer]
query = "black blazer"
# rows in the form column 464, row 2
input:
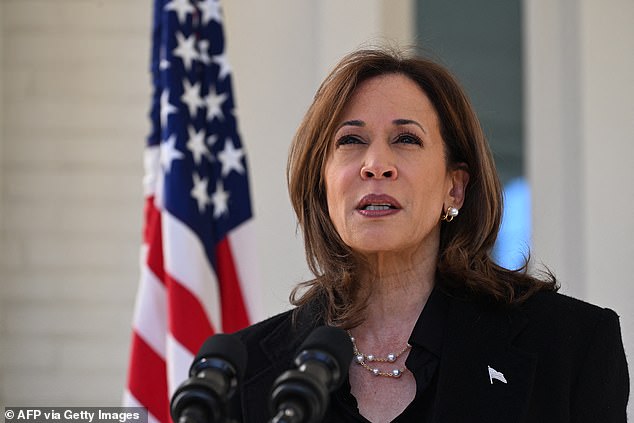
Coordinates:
column 562, row 358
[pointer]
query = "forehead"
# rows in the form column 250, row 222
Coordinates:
column 390, row 96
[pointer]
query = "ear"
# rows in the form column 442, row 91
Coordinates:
column 459, row 179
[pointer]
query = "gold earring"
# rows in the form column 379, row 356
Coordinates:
column 449, row 214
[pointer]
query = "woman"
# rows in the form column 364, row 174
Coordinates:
column 399, row 202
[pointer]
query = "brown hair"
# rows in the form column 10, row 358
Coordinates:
column 464, row 262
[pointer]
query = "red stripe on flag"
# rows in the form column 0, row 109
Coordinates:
column 147, row 379
column 234, row 312
column 154, row 239
column 188, row 322
column 151, row 214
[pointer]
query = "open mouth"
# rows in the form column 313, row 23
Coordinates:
column 378, row 202
column 373, row 207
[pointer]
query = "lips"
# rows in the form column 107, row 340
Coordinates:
column 378, row 205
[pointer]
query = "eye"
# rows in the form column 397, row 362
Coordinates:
column 408, row 138
column 349, row 139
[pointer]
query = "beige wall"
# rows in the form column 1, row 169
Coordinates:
column 74, row 103
column 75, row 91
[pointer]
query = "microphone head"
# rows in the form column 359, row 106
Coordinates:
column 333, row 341
column 214, row 377
column 224, row 347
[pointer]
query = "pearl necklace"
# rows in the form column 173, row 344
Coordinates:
column 363, row 360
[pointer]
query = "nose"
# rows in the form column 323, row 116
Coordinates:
column 378, row 165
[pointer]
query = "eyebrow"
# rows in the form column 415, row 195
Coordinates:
column 408, row 122
column 398, row 122
column 358, row 123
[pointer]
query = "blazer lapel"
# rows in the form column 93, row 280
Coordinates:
column 482, row 376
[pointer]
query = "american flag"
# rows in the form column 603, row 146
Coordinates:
column 198, row 254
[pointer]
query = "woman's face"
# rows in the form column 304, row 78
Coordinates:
column 387, row 180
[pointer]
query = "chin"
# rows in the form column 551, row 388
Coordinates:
column 376, row 245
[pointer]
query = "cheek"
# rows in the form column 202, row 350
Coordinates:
column 336, row 201
column 430, row 194
column 339, row 182
column 330, row 182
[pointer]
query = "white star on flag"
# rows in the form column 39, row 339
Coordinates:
column 186, row 49
column 225, row 69
column 181, row 7
column 166, row 108
column 214, row 104
column 169, row 153
column 231, row 158
column 191, row 97
column 196, row 144
column 210, row 10
column 199, row 192
column 220, row 198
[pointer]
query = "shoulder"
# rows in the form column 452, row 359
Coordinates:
column 548, row 323
column 253, row 334
column 557, row 322
column 562, row 310
column 264, row 341
column 581, row 343
column 276, row 339
column 271, row 347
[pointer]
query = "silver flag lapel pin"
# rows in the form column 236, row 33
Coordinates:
column 494, row 374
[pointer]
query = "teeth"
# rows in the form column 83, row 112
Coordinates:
column 378, row 207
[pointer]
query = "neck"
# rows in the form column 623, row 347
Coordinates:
column 398, row 288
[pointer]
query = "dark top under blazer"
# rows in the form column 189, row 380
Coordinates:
column 563, row 360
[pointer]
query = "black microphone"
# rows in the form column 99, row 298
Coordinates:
column 301, row 395
column 213, row 379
